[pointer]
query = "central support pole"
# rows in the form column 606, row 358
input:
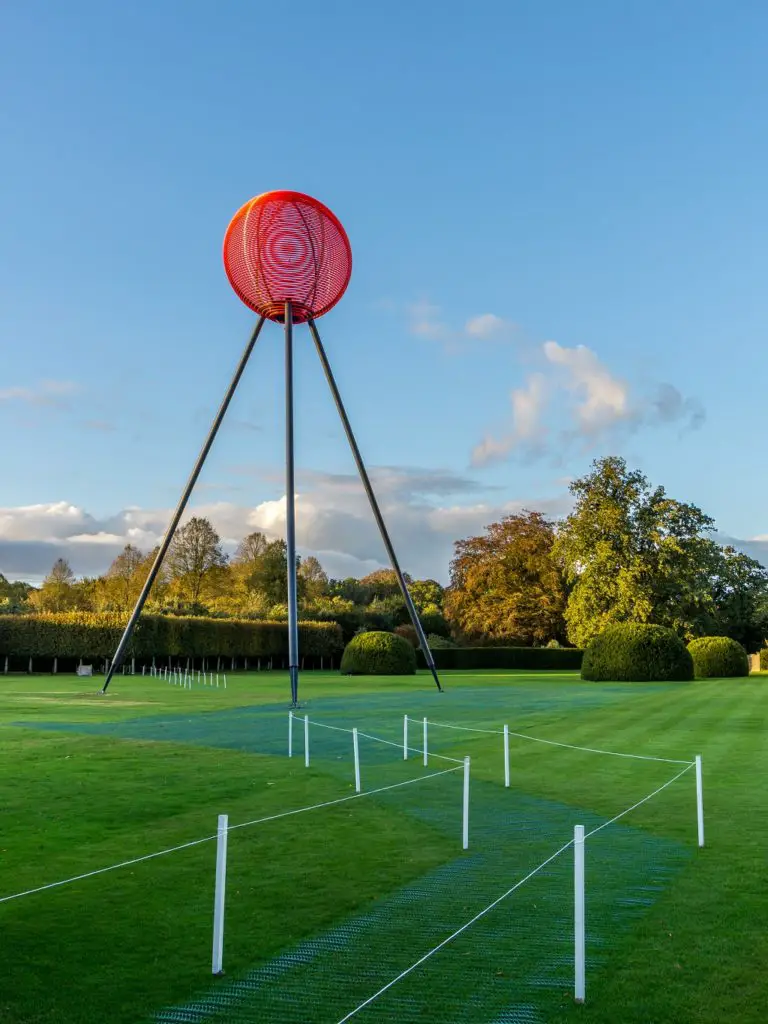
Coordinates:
column 290, row 512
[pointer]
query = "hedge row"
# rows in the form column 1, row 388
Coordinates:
column 554, row 659
column 764, row 660
column 88, row 636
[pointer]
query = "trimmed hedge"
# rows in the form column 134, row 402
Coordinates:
column 718, row 657
column 551, row 659
column 764, row 660
column 90, row 636
column 378, row 654
column 637, row 652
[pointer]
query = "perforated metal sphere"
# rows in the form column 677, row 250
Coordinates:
column 285, row 246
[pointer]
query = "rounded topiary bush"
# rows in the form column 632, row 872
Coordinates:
column 378, row 654
column 718, row 656
column 637, row 652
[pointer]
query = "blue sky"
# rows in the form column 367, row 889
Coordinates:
column 558, row 218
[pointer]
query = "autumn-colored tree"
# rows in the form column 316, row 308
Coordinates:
column 314, row 578
column 57, row 593
column 123, row 580
column 250, row 549
column 383, row 583
column 506, row 586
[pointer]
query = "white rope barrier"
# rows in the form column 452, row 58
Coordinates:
column 555, row 743
column 389, row 743
column 231, row 828
column 640, row 802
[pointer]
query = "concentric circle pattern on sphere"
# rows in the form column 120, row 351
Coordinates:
column 285, row 246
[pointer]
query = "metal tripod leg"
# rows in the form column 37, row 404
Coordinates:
column 166, row 542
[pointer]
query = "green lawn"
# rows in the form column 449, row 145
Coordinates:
column 325, row 907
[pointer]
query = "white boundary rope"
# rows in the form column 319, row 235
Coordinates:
column 639, row 802
column 555, row 743
column 208, row 839
column 112, row 867
column 344, row 799
column 390, row 743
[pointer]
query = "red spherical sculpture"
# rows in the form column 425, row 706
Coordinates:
column 285, row 246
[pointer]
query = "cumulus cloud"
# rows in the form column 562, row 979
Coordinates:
column 425, row 513
column 528, row 407
column 578, row 399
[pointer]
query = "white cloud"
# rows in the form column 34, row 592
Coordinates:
column 425, row 513
column 578, row 399
column 486, row 325
column 528, row 406
column 46, row 392
column 602, row 398
column 425, row 320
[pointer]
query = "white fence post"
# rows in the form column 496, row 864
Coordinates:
column 579, row 981
column 426, row 756
column 290, row 734
column 356, row 749
column 405, row 737
column 506, row 756
column 465, row 816
column 699, row 801
column 218, row 903
column 306, row 741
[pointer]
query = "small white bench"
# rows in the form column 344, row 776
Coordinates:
column 84, row 670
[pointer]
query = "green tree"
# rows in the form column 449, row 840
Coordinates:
column 740, row 600
column 505, row 584
column 14, row 597
column 314, row 578
column 268, row 575
column 350, row 589
column 633, row 554
column 427, row 593
column 196, row 561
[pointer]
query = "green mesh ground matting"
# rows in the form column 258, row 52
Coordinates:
column 513, row 966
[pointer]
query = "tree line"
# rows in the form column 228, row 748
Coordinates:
column 628, row 552
column 198, row 579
